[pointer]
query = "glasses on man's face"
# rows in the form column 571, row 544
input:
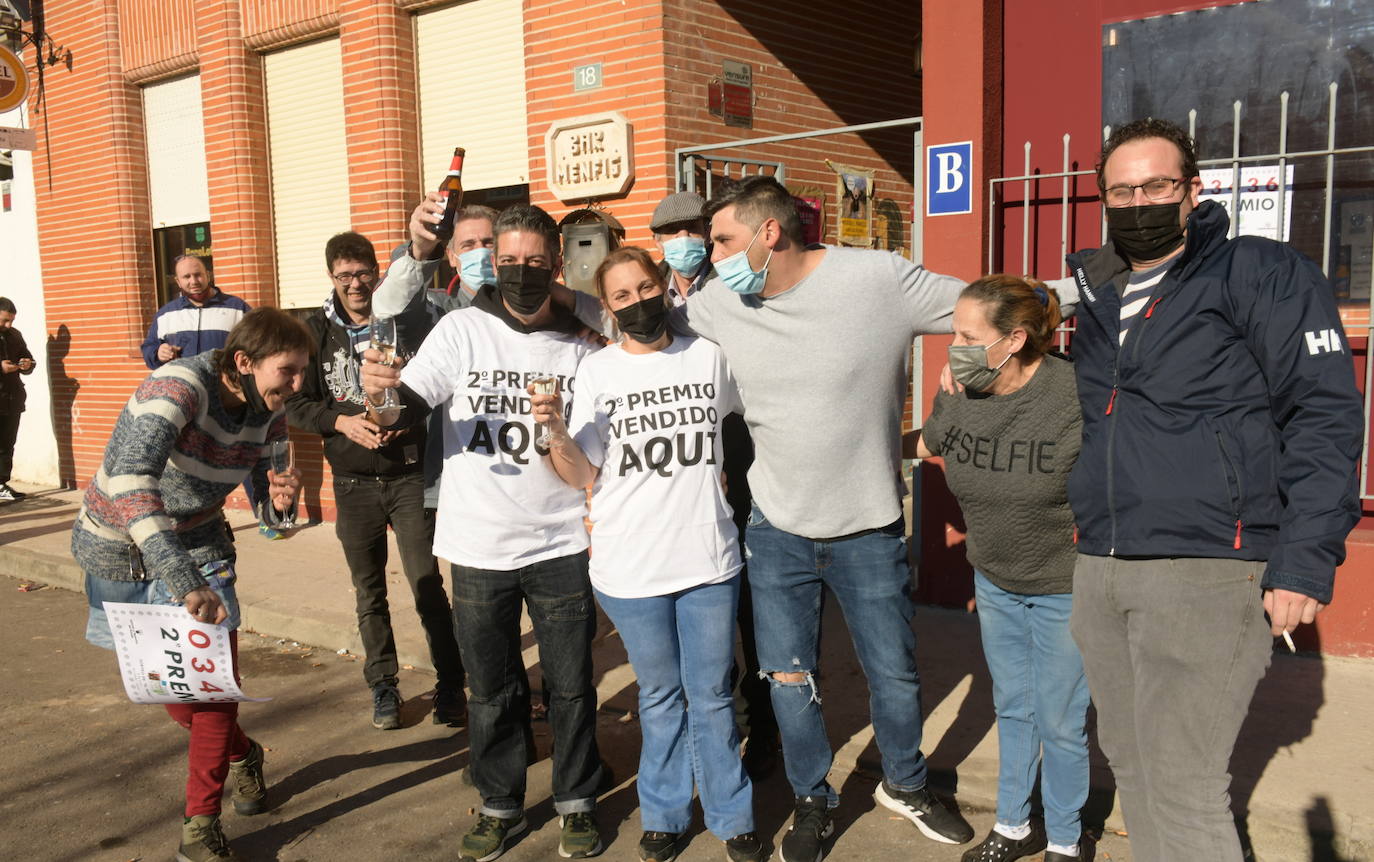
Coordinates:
column 362, row 276
column 1158, row 189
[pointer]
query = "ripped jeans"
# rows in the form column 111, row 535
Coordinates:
column 870, row 576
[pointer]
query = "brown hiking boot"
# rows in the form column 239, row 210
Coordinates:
column 250, row 790
column 203, row 841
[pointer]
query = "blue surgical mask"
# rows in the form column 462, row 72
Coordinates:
column 475, row 267
column 685, row 253
column 738, row 275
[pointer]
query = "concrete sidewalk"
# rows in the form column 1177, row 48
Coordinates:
column 1303, row 762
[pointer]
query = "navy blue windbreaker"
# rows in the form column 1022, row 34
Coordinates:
column 1228, row 423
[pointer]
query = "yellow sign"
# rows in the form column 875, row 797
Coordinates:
column 14, row 80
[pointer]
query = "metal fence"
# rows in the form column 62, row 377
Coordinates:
column 1283, row 158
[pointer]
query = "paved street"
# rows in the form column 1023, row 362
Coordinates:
column 89, row 775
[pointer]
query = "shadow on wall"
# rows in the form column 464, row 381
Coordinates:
column 64, row 388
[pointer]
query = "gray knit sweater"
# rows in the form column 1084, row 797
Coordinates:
column 1007, row 460
column 174, row 456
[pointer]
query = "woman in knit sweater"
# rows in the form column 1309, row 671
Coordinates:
column 1009, row 440
column 152, row 530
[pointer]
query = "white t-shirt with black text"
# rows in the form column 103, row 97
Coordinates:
column 499, row 507
column 651, row 422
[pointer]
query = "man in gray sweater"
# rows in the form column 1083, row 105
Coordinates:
column 819, row 340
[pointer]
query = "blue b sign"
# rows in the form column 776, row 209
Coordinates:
column 949, row 179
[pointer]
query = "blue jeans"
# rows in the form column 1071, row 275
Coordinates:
column 1041, row 697
column 682, row 647
column 870, row 576
column 487, row 607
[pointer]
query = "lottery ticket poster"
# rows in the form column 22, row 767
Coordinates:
column 166, row 656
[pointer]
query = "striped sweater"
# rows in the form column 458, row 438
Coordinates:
column 174, row 456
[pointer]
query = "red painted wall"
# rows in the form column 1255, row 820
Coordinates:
column 1074, row 77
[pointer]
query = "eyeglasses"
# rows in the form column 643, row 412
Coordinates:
column 363, row 276
column 1159, row 189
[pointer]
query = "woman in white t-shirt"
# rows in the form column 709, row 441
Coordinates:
column 646, row 435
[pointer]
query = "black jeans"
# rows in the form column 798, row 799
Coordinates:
column 9, row 432
column 366, row 507
column 487, row 607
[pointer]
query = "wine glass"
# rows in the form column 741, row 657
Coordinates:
column 383, row 330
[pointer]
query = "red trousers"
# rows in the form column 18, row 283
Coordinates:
column 215, row 740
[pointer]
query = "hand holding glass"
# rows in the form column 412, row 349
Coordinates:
column 543, row 436
column 384, row 342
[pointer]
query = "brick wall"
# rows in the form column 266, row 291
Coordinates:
column 94, row 231
column 627, row 39
column 657, row 57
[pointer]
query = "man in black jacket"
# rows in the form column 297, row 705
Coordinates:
column 1217, row 481
column 378, row 481
column 15, row 359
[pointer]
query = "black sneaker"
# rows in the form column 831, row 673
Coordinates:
column 935, row 821
column 746, row 847
column 999, row 848
column 1060, row 857
column 659, row 846
column 488, row 837
column 9, row 495
column 386, row 707
column 805, row 841
column 450, row 706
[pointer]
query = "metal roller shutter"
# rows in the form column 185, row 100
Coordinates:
column 471, row 63
column 178, row 190
column 305, row 130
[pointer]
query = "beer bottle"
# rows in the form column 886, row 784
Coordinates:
column 452, row 190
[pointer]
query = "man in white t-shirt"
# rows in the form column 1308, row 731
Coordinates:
column 511, row 528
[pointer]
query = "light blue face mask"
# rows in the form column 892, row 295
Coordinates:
column 475, row 268
column 738, row 275
column 685, row 253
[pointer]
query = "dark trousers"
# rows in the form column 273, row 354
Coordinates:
column 487, row 606
column 9, row 431
column 366, row 507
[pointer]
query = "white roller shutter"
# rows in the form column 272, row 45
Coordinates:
column 471, row 62
column 305, row 130
column 178, row 189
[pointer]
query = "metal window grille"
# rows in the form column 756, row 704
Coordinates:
column 1028, row 204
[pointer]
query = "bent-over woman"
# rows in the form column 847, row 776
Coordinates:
column 152, row 530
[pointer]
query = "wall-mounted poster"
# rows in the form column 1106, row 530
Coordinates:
column 854, row 191
column 811, row 212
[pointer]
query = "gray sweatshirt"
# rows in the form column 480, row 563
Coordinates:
column 822, row 368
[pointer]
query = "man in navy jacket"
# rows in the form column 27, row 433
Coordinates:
column 1217, row 481
column 199, row 319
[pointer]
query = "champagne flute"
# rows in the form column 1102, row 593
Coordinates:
column 383, row 330
column 282, row 455
column 543, row 436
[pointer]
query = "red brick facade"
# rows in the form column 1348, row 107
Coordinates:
column 658, row 57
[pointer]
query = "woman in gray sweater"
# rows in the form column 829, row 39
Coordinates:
column 1009, row 440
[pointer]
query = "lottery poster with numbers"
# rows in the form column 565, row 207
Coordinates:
column 166, row 656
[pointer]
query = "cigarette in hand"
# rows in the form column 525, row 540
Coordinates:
column 1288, row 639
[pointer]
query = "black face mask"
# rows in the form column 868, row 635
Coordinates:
column 1145, row 233
column 251, row 395
column 523, row 287
column 645, row 321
